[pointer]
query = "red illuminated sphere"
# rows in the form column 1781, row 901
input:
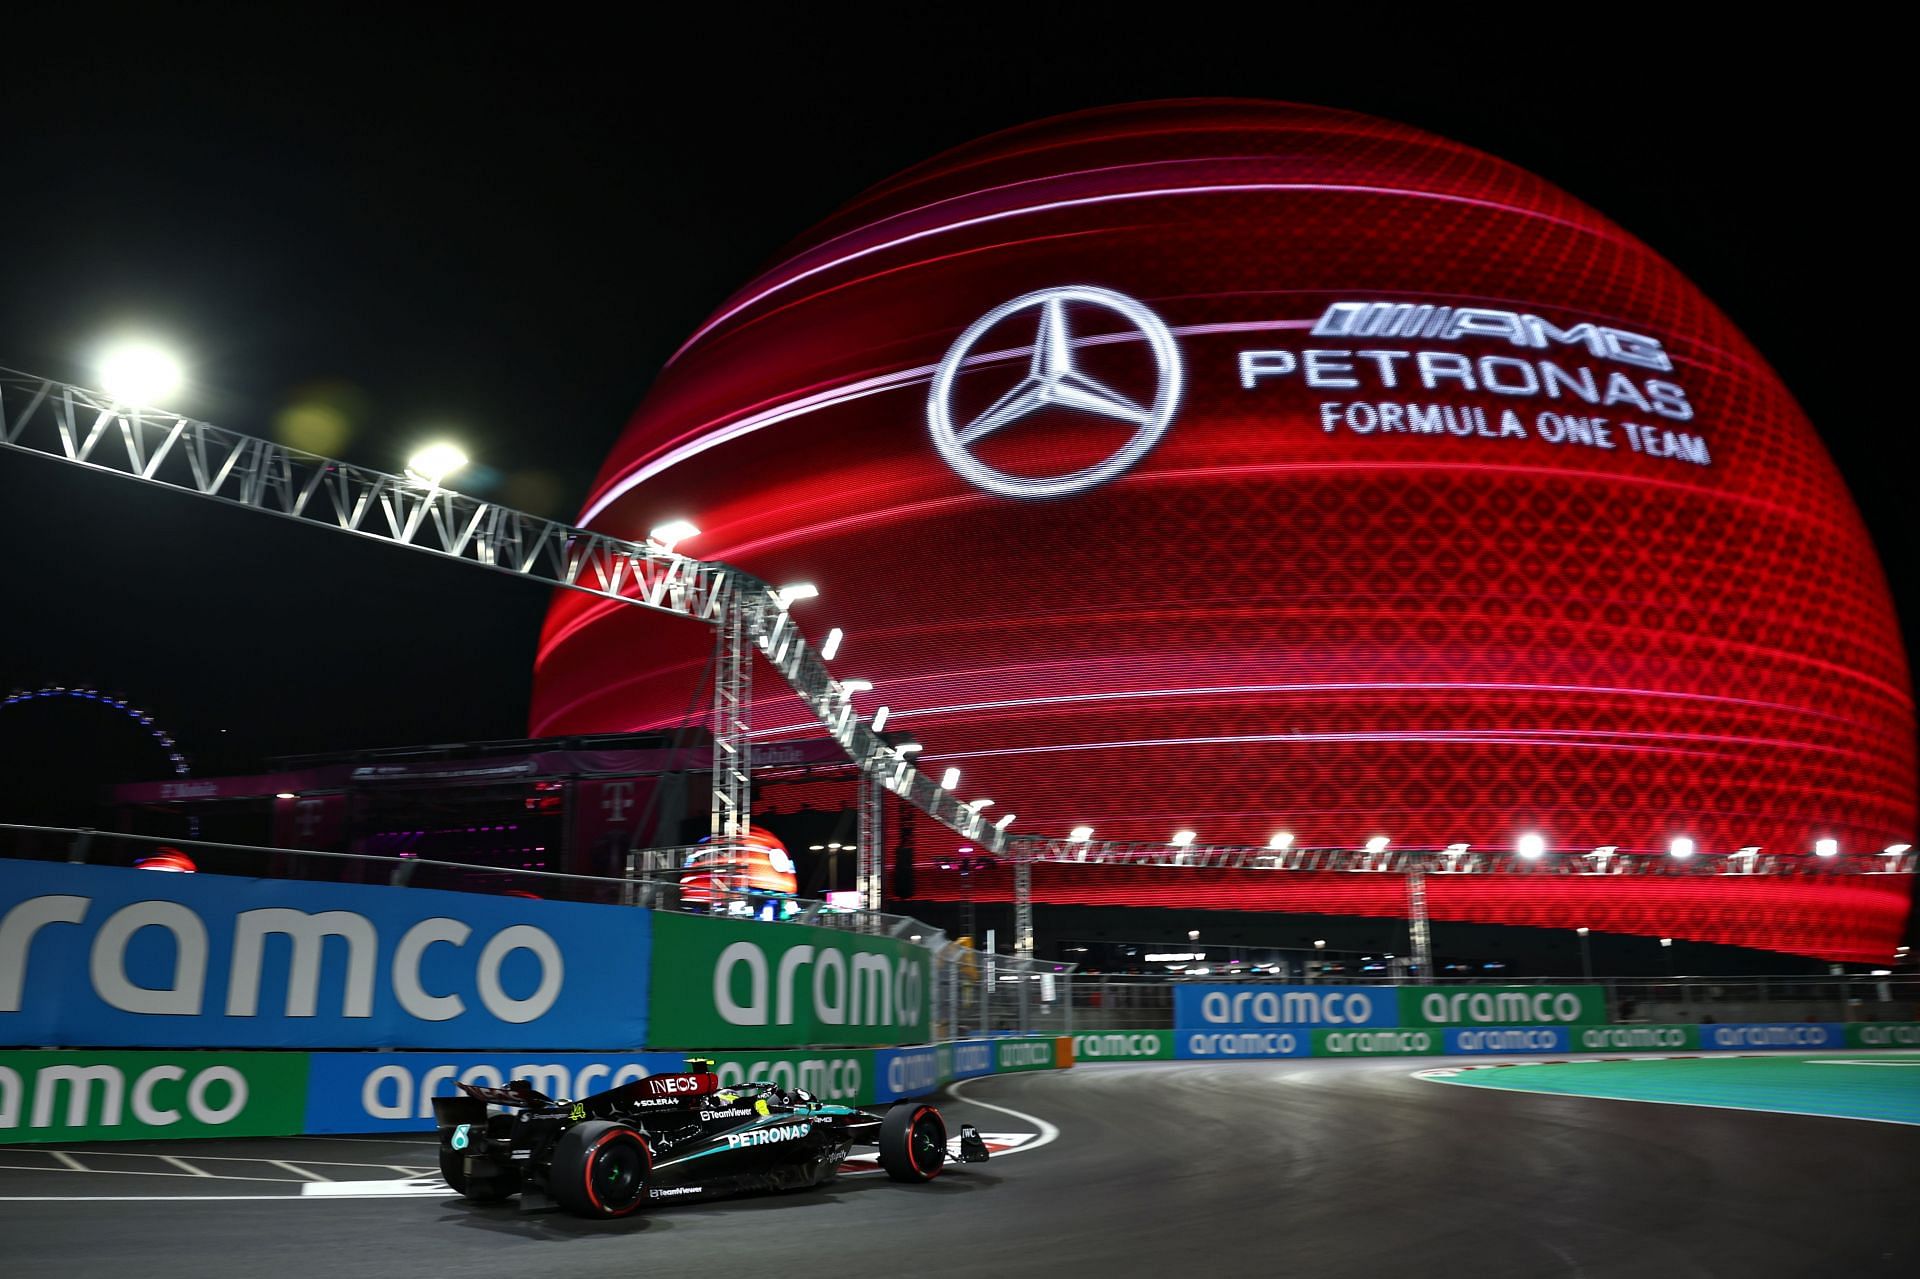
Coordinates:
column 1648, row 609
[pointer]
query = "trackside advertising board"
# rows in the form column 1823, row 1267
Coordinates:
column 1502, row 1005
column 394, row 1092
column 1123, row 1045
column 125, row 1096
column 1262, row 1006
column 1198, row 1045
column 1376, row 1043
column 1806, row 1034
column 1891, row 1034
column 1635, row 1038
column 745, row 984
column 107, row 956
column 1470, row 1040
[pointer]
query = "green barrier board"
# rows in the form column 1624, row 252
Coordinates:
column 1502, row 1005
column 1123, row 1045
column 128, row 1096
column 744, row 984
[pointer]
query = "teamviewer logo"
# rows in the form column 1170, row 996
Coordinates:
column 1055, row 380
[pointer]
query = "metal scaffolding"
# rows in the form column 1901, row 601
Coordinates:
column 872, row 865
column 85, row 428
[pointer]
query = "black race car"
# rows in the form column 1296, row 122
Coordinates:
column 671, row 1137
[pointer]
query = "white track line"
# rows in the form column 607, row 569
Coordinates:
column 1048, row 1133
column 296, row 1168
column 67, row 1159
column 183, row 1164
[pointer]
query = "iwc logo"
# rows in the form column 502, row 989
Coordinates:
column 1054, row 380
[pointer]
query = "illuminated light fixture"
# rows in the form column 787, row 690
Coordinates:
column 1193, row 934
column 1320, row 944
column 836, row 845
column 856, row 685
column 1456, row 850
column 1182, row 838
column 788, row 595
column 880, row 718
column 1378, row 844
column 1666, row 941
column 908, row 748
column 139, row 373
column 1583, row 931
column 1080, row 834
column 1531, row 847
column 1826, row 848
column 1681, row 848
column 977, row 804
column 672, row 533
column 435, row 462
column 1281, row 841
column 1004, row 822
column 831, row 648
column 285, row 794
column 1175, row 957
column 1894, row 850
column 816, row 848
column 950, row 779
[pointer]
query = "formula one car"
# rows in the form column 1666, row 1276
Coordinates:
column 671, row 1137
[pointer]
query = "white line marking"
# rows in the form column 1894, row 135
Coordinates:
column 132, row 1172
column 297, row 1169
column 398, row 1139
column 1837, row 1061
column 1048, row 1133
column 412, row 1188
column 69, row 1161
column 183, row 1164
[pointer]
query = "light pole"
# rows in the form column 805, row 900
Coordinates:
column 1666, row 949
column 1586, row 955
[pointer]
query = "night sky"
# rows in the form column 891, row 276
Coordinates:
column 498, row 231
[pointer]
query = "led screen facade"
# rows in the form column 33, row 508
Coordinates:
column 1240, row 467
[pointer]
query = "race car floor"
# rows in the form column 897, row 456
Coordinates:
column 1306, row 1167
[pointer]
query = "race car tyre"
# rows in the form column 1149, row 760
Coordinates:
column 453, row 1167
column 600, row 1169
column 913, row 1142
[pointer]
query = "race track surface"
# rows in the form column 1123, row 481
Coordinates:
column 1309, row 1168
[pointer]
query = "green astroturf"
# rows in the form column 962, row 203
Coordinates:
column 1884, row 1086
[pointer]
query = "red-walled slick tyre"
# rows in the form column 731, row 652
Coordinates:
column 600, row 1169
column 913, row 1142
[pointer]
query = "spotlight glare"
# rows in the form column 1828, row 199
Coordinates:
column 880, row 718
column 1531, row 846
column 1681, row 848
column 1182, row 838
column 139, row 373
column 787, row 595
column 672, row 533
column 831, row 648
column 1281, row 841
column 1080, row 834
column 1826, row 848
column 432, row 463
column 950, row 779
column 1378, row 844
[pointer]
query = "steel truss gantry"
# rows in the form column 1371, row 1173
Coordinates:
column 86, row 428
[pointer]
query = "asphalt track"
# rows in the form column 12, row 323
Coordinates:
column 1311, row 1168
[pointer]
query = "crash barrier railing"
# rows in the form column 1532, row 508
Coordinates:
column 1128, row 1002
column 57, row 1096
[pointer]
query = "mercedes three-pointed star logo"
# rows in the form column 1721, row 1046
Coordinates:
column 1054, row 380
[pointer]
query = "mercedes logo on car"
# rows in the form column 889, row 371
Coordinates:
column 1054, row 380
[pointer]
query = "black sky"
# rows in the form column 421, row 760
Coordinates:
column 503, row 226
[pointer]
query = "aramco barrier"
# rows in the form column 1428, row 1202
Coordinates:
column 130, row 1002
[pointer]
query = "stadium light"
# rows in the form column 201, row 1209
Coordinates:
column 1182, row 838
column 950, row 779
column 880, row 718
column 434, row 462
column 856, row 685
column 1583, row 931
column 139, row 373
column 1894, row 850
column 672, row 533
column 1826, row 848
column 1320, row 944
column 1681, row 848
column 1281, row 841
column 285, row 794
column 788, row 595
column 1080, row 834
column 1531, row 846
column 905, row 749
column 1666, row 941
column 816, row 848
column 1004, row 822
column 1378, row 844
column 977, row 804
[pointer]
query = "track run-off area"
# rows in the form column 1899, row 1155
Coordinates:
column 1295, row 1167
